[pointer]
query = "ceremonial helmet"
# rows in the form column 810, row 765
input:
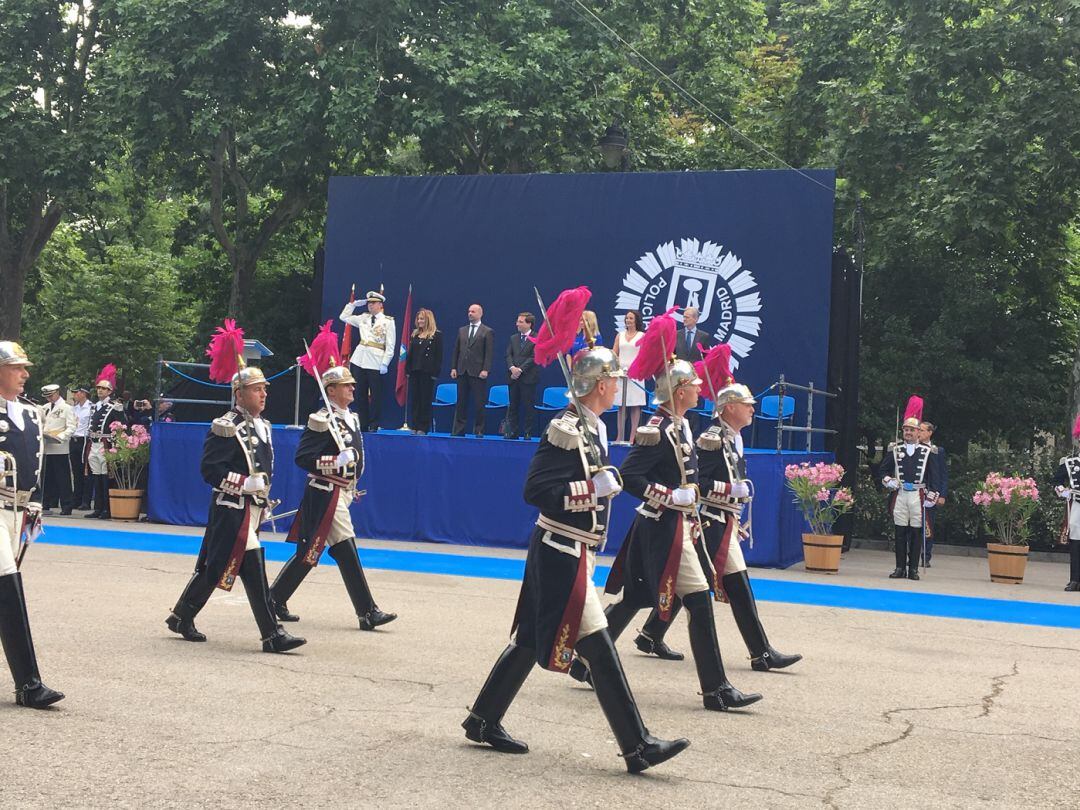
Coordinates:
column 592, row 365
column 12, row 354
column 338, row 375
column 247, row 375
column 734, row 392
column 680, row 373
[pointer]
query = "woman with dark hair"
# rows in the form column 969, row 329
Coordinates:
column 423, row 364
column 631, row 395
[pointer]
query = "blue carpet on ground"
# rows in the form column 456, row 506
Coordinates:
column 948, row 606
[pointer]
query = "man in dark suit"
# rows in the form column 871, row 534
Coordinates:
column 691, row 340
column 470, row 366
column 926, row 436
column 522, row 376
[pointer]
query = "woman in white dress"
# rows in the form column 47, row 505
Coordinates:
column 630, row 392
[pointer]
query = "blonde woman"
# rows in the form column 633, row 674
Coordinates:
column 423, row 364
column 631, row 395
column 588, row 321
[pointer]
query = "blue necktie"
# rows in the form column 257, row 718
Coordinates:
column 689, row 340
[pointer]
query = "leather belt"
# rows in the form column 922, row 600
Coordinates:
column 10, row 500
column 591, row 539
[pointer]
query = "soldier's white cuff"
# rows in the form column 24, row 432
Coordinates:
column 658, row 496
column 233, row 483
column 582, row 497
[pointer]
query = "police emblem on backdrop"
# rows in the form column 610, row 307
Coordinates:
column 702, row 276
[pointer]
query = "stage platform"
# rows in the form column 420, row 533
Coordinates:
column 444, row 489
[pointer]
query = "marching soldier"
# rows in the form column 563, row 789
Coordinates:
column 663, row 558
column 21, row 443
column 238, row 463
column 559, row 610
column 908, row 472
column 725, row 491
column 105, row 412
column 331, row 449
column 372, row 356
column 926, row 436
column 60, row 424
column 1067, row 486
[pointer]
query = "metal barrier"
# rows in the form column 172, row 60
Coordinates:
column 175, row 366
column 781, row 386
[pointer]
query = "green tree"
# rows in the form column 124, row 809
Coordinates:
column 52, row 139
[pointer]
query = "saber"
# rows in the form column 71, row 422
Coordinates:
column 677, row 423
column 331, row 419
column 591, row 451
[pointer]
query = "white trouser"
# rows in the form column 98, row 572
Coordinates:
column 691, row 578
column 252, row 542
column 1074, row 519
column 9, row 540
column 592, row 614
column 342, row 528
column 735, row 562
column 908, row 508
column 96, row 459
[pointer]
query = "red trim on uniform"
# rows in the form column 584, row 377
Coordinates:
column 236, row 556
column 562, row 651
column 318, row 542
column 720, row 559
column 614, row 582
column 665, row 599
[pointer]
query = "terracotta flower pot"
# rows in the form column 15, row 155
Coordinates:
column 821, row 552
column 125, row 504
column 1007, row 563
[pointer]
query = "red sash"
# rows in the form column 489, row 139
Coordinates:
column 720, row 559
column 236, row 556
column 665, row 599
column 318, row 542
column 562, row 652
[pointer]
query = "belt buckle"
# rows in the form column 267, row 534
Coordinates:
column 909, row 487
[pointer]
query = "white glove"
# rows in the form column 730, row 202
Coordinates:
column 892, row 483
column 383, row 369
column 606, row 484
column 254, row 483
column 683, row 496
column 1062, row 492
column 345, row 457
column 929, row 504
column 740, row 489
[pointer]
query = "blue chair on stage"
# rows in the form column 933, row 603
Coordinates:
column 445, row 397
column 499, row 397
column 553, row 399
column 771, row 410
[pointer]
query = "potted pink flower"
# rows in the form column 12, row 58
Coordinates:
column 127, row 455
column 822, row 501
column 1007, row 503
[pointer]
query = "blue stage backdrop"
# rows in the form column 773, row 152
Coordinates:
column 751, row 249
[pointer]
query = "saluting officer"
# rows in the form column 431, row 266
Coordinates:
column 21, row 441
column 238, row 463
column 559, row 611
column 331, row 449
column 725, row 492
column 907, row 471
column 105, row 412
column 372, row 355
column 663, row 558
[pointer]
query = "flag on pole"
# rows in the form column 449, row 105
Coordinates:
column 401, row 389
column 346, row 340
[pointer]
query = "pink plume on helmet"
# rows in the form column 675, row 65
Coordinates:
column 655, row 348
column 1076, row 427
column 324, row 352
column 225, row 349
column 108, row 374
column 914, row 408
column 717, row 362
column 564, row 315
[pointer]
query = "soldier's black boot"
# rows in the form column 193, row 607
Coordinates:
column 101, row 496
column 901, row 553
column 651, row 638
column 484, row 723
column 717, row 692
column 619, row 615
column 914, row 550
column 639, row 748
column 191, row 601
column 19, row 646
column 285, row 585
column 1074, row 566
column 744, row 608
column 253, row 575
column 348, row 561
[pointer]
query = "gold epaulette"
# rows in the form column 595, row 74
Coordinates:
column 647, row 436
column 711, row 439
column 224, row 426
column 564, row 432
column 319, row 421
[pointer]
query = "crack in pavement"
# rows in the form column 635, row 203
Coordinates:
column 430, row 686
column 267, row 738
column 718, row 783
column 986, row 704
